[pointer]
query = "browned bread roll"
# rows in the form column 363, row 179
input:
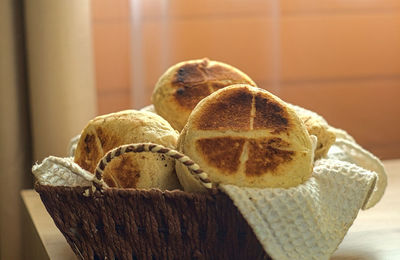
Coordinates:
column 144, row 170
column 183, row 85
column 248, row 137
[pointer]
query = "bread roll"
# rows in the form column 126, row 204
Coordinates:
column 248, row 137
column 316, row 125
column 183, row 85
column 143, row 170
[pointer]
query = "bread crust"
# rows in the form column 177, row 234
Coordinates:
column 183, row 85
column 262, row 144
column 317, row 125
column 144, row 170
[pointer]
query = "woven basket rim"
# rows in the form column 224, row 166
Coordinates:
column 39, row 187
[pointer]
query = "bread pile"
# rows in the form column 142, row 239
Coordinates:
column 238, row 133
column 254, row 147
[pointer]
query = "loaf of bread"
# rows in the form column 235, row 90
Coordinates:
column 248, row 137
column 183, row 85
column 144, row 170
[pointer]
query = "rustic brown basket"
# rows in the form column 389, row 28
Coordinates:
column 149, row 224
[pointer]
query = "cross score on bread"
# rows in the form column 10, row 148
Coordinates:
column 246, row 135
column 183, row 85
column 195, row 81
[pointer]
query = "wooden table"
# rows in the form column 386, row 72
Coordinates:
column 374, row 235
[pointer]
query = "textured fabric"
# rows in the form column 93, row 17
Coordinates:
column 346, row 150
column 310, row 220
column 61, row 172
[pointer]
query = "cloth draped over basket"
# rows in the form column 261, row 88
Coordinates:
column 304, row 222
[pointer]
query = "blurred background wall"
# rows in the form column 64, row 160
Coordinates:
column 15, row 149
column 47, row 96
column 60, row 72
column 338, row 58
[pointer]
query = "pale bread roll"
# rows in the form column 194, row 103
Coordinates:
column 317, row 125
column 246, row 136
column 183, row 85
column 144, row 170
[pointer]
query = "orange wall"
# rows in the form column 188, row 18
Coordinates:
column 338, row 58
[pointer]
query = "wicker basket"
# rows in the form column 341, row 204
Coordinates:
column 149, row 224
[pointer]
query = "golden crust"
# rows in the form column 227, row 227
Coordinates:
column 183, row 85
column 326, row 138
column 222, row 153
column 266, row 154
column 270, row 147
column 269, row 114
column 231, row 110
column 144, row 170
column 316, row 125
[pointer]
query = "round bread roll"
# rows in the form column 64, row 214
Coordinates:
column 142, row 170
column 247, row 137
column 317, row 126
column 183, row 85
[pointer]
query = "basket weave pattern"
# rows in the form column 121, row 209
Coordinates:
column 150, row 224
